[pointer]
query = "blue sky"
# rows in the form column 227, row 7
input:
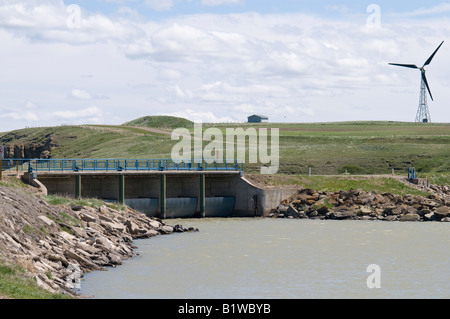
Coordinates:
column 219, row 60
column 159, row 9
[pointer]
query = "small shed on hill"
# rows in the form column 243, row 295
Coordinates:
column 257, row 118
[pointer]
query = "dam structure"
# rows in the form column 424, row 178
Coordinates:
column 158, row 188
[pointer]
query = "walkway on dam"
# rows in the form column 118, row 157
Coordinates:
column 119, row 165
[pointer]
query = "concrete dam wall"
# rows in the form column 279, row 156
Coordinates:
column 169, row 194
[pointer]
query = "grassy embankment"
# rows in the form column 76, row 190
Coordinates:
column 16, row 284
column 15, row 281
column 338, row 183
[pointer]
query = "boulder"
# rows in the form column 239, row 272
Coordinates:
column 364, row 211
column 166, row 229
column 47, row 220
column 58, row 258
column 151, row 233
column 388, row 209
column 154, row 223
column 292, row 211
column 409, row 218
column 364, row 199
column 88, row 248
column 341, row 215
column 429, row 216
column 104, row 243
column 391, row 218
column 87, row 218
column 429, row 203
column 133, row 228
column 282, row 208
column 400, row 210
column 302, row 214
column 103, row 209
column 85, row 262
column 322, row 210
column 115, row 259
column 113, row 226
column 423, row 212
column 70, row 238
column 77, row 207
column 313, row 214
column 442, row 212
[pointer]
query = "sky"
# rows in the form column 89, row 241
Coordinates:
column 112, row 61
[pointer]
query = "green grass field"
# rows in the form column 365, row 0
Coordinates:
column 363, row 148
column 15, row 284
column 328, row 148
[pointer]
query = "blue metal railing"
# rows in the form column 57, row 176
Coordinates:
column 81, row 165
column 10, row 164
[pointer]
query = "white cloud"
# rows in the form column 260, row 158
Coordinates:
column 201, row 117
column 30, row 105
column 47, row 21
column 80, row 94
column 20, row 116
column 90, row 113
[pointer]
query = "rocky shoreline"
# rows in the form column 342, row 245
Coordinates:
column 361, row 205
column 57, row 244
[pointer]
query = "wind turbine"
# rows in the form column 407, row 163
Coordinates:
column 423, row 114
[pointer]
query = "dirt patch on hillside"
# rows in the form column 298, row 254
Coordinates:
column 271, row 181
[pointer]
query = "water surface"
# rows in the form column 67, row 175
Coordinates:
column 267, row 258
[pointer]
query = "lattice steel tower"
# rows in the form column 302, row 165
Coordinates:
column 423, row 114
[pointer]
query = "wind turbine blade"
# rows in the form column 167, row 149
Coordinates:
column 424, row 79
column 411, row 66
column 434, row 53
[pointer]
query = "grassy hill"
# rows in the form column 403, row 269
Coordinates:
column 328, row 148
column 362, row 147
column 162, row 122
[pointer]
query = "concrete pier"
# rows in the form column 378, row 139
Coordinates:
column 163, row 195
